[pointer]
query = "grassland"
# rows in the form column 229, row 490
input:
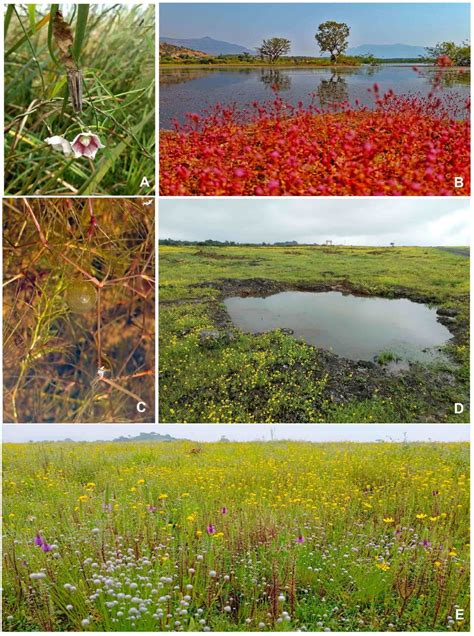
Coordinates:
column 274, row 378
column 236, row 536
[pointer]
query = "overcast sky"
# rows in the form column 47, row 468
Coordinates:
column 243, row 432
column 347, row 221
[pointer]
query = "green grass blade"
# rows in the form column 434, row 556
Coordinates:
column 81, row 25
column 8, row 17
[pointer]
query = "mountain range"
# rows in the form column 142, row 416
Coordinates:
column 388, row 51
column 208, row 45
column 219, row 47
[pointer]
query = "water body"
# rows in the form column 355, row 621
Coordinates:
column 354, row 327
column 197, row 90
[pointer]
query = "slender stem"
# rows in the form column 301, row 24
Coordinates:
column 99, row 336
column 120, row 388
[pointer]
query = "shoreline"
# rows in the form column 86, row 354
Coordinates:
column 308, row 66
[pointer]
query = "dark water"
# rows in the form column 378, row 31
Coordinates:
column 354, row 327
column 196, row 90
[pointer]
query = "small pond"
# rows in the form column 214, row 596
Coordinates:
column 354, row 327
column 185, row 90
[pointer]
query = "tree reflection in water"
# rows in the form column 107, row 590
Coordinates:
column 276, row 79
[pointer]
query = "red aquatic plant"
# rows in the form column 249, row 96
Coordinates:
column 406, row 145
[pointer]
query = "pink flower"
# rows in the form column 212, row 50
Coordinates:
column 211, row 529
column 86, row 145
column 300, row 539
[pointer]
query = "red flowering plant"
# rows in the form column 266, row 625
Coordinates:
column 405, row 145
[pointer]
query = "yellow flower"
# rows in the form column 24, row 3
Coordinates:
column 383, row 566
column 192, row 517
column 389, row 519
column 198, row 533
column 163, row 496
column 140, row 481
column 82, row 498
column 217, row 535
column 453, row 552
column 133, row 489
column 421, row 515
column 434, row 518
column 437, row 564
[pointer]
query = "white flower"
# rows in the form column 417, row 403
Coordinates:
column 37, row 575
column 61, row 144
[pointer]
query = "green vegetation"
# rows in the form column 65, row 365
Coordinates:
column 245, row 59
column 333, row 37
column 387, row 356
column 112, row 51
column 78, row 310
column 273, row 377
column 282, row 536
column 273, row 49
column 459, row 54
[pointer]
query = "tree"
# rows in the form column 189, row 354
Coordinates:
column 333, row 37
column 459, row 54
column 274, row 48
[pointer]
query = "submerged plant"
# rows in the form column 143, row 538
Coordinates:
column 78, row 310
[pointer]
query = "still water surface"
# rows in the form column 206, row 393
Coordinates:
column 354, row 327
column 196, row 90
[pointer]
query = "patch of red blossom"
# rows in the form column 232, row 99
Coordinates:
column 405, row 146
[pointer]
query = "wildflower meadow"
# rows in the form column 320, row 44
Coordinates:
column 260, row 536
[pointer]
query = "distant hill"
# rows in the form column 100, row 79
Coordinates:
column 388, row 50
column 208, row 45
column 176, row 52
column 146, row 437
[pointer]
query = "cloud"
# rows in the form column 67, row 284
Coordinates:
column 348, row 221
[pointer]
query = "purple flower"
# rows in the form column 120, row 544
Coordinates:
column 425, row 543
column 300, row 539
column 86, row 145
column 46, row 547
column 107, row 507
column 224, row 510
column 211, row 529
column 151, row 508
column 38, row 540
